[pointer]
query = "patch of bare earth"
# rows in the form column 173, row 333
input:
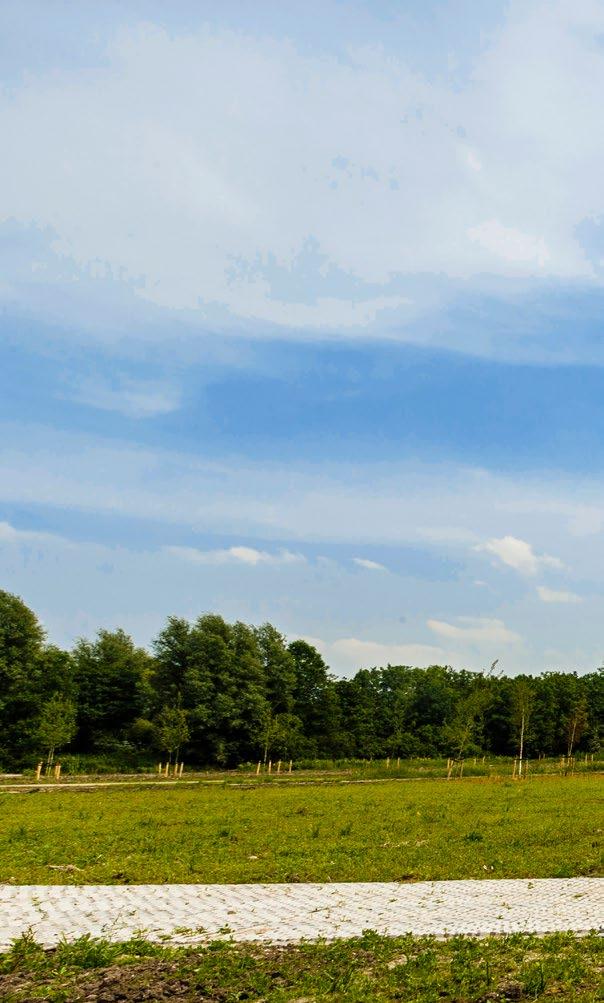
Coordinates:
column 152, row 980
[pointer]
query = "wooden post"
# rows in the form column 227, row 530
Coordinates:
column 57, row 771
column 270, row 766
column 291, row 763
column 279, row 767
column 258, row 767
column 38, row 771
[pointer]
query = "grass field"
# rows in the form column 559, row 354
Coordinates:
column 388, row 831
column 372, row 968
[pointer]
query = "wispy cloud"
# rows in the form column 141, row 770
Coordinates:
column 554, row 596
column 354, row 653
column 291, row 501
column 364, row 562
column 132, row 398
column 474, row 629
column 510, row 244
column 9, row 534
column 386, row 183
column 519, row 555
column 236, row 555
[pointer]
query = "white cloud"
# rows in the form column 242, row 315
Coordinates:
column 238, row 555
column 132, row 398
column 9, row 534
column 355, row 653
column 195, row 168
column 364, row 562
column 474, row 629
column 519, row 554
column 238, row 497
column 255, row 300
column 510, row 244
column 472, row 160
column 553, row 596
column 446, row 535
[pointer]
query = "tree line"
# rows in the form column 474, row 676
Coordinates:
column 226, row 693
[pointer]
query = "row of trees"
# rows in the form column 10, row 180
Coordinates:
column 227, row 693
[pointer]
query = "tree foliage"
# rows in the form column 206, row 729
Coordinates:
column 227, row 693
column 172, row 731
column 58, row 724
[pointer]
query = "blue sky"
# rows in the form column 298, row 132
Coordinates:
column 301, row 320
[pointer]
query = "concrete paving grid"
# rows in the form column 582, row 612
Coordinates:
column 289, row 913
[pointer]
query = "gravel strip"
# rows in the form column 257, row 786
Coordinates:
column 290, row 913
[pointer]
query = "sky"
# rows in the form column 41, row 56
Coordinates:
column 301, row 320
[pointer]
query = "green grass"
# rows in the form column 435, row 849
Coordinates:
column 370, row 969
column 372, row 832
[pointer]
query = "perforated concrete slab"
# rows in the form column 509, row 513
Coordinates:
column 294, row 912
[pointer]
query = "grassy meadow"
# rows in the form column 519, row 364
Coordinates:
column 390, row 831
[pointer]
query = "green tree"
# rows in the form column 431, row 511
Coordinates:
column 279, row 668
column 465, row 728
column 250, row 703
column 57, row 725
column 188, row 661
column 21, row 677
column 575, row 723
column 316, row 703
column 360, row 698
column 522, row 705
column 593, row 684
column 281, row 736
column 397, row 696
column 172, row 731
column 113, row 679
column 57, row 673
column 432, row 705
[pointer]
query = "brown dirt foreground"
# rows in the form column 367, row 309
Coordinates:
column 371, row 969
column 150, row 980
